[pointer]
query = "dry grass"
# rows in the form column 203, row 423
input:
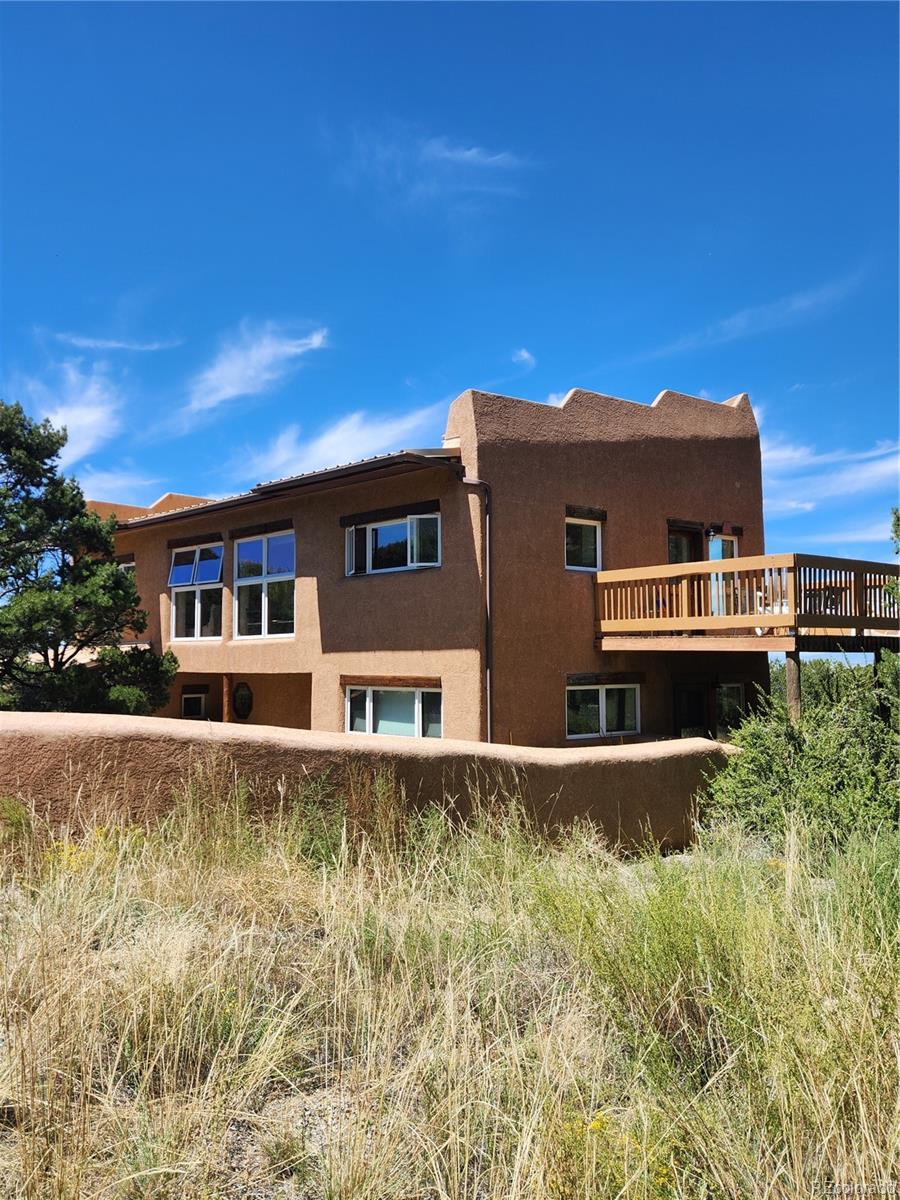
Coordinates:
column 229, row 1006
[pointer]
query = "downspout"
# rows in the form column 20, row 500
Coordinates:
column 488, row 603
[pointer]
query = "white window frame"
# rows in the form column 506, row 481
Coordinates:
column 729, row 684
column 350, row 545
column 370, row 708
column 602, row 689
column 598, row 525
column 265, row 579
column 202, row 697
column 722, row 537
column 196, row 588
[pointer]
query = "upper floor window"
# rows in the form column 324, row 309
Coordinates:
column 402, row 544
column 582, row 544
column 264, row 586
column 603, row 710
column 195, row 577
column 723, row 545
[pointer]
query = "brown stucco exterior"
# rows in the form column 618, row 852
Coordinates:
column 74, row 769
column 681, row 458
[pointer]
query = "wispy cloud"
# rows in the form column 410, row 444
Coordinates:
column 412, row 168
column 556, row 398
column 126, row 484
column 253, row 361
column 441, row 149
column 524, row 358
column 877, row 531
column 762, row 318
column 85, row 342
column 797, row 478
column 86, row 400
column 355, row 436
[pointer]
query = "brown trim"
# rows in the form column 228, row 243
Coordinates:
column 691, row 526
column 726, row 529
column 198, row 539
column 246, row 531
column 417, row 508
column 595, row 680
column 124, row 559
column 195, row 689
column 395, row 681
column 585, row 514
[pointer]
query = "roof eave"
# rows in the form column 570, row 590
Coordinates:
column 403, row 463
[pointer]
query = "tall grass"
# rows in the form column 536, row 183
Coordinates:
column 231, row 1005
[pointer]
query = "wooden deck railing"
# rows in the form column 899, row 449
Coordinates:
column 769, row 593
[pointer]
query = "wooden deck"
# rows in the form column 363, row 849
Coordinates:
column 786, row 602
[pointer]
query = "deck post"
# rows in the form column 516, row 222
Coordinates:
column 792, row 683
column 884, row 708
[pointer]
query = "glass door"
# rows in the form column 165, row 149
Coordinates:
column 723, row 585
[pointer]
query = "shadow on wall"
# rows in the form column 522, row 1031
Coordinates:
column 428, row 609
column 72, row 766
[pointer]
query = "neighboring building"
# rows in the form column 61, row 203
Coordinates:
column 451, row 592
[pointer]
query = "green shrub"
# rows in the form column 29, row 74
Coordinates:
column 837, row 767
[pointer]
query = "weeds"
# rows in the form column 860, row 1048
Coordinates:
column 288, row 1000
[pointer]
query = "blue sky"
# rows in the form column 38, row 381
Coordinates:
column 244, row 240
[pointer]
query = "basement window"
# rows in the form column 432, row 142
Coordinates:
column 593, row 712
column 195, row 580
column 193, row 705
column 729, row 707
column 406, row 544
column 403, row 712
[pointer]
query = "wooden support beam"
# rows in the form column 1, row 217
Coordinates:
column 227, row 710
column 884, row 708
column 792, row 683
column 657, row 643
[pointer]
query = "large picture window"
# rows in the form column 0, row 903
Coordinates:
column 403, row 712
column 604, row 710
column 195, row 580
column 264, row 573
column 404, row 544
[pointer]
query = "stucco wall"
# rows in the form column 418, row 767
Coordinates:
column 406, row 624
column 71, row 765
column 680, row 458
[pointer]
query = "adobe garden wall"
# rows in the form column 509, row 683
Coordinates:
column 68, row 766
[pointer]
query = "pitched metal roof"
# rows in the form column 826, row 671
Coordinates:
column 380, row 466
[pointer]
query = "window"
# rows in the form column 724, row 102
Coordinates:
column 582, row 545
column 193, row 705
column 264, row 586
column 723, row 545
column 403, row 712
column 729, row 707
column 404, row 544
column 601, row 711
column 195, row 577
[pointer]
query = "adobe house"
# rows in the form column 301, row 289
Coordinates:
column 550, row 576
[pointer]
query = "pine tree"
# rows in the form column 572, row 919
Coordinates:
column 65, row 604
